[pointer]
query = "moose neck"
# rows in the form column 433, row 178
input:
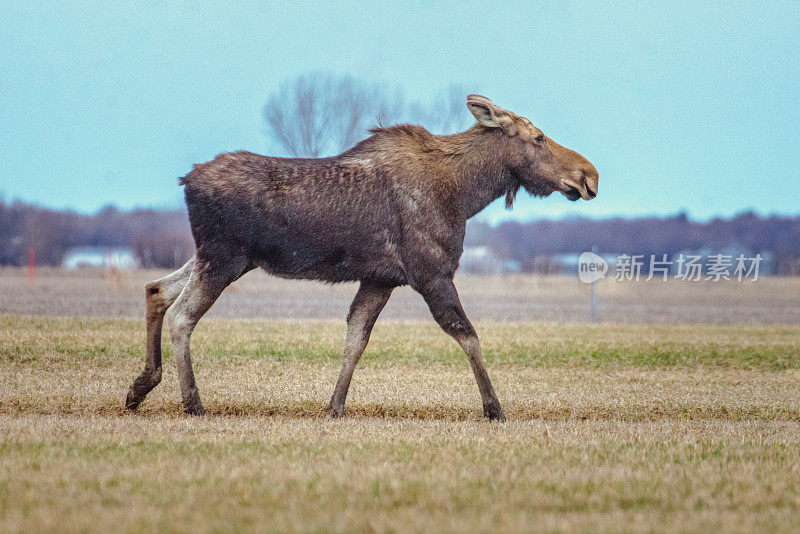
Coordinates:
column 480, row 170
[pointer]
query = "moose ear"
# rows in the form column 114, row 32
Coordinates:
column 487, row 112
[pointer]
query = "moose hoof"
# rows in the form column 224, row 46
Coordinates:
column 191, row 403
column 335, row 411
column 132, row 401
column 193, row 407
column 194, row 410
column 493, row 412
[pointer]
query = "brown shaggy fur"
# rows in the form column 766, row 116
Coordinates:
column 390, row 211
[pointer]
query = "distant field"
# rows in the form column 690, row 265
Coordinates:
column 512, row 298
column 612, row 427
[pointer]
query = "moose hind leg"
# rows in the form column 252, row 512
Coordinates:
column 206, row 282
column 442, row 299
column 159, row 295
column 367, row 305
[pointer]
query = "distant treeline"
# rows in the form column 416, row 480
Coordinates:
column 162, row 238
column 158, row 238
column 748, row 232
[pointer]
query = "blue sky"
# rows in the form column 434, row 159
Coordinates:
column 689, row 106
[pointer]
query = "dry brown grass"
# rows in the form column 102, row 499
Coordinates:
column 101, row 473
column 611, row 427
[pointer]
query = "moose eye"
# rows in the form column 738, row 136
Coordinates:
column 540, row 138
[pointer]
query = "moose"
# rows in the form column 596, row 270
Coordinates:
column 391, row 211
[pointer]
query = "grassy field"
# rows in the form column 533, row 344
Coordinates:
column 616, row 427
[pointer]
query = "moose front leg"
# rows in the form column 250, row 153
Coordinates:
column 442, row 299
column 367, row 305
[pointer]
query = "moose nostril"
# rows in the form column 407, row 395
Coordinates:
column 589, row 179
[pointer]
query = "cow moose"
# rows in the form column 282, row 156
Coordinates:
column 391, row 211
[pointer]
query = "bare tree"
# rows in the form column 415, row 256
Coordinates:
column 444, row 114
column 296, row 116
column 321, row 114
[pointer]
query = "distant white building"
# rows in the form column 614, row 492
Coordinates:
column 481, row 260
column 563, row 263
column 101, row 257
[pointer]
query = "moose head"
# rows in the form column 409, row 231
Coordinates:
column 539, row 164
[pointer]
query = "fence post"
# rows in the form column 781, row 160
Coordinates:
column 31, row 265
column 594, row 294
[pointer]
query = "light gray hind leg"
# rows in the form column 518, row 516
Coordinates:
column 367, row 305
column 206, row 282
column 159, row 295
